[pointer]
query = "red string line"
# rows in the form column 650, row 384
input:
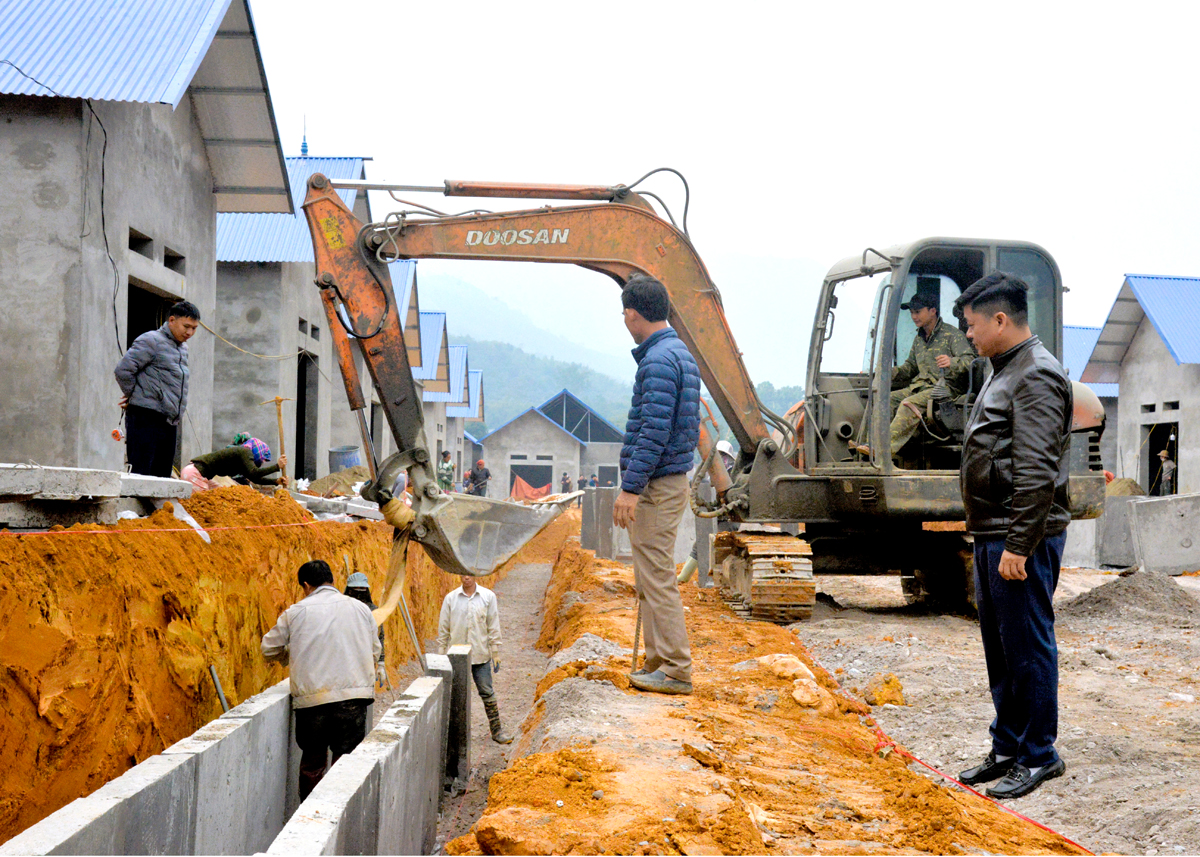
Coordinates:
column 132, row 531
column 885, row 741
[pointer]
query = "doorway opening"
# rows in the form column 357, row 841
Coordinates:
column 535, row 475
column 305, row 465
column 1159, row 437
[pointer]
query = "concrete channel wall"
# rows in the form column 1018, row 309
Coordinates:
column 231, row 788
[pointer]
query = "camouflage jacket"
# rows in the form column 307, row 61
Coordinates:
column 921, row 369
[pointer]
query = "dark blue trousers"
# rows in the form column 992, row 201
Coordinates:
column 1016, row 621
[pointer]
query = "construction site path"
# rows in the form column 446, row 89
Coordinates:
column 520, row 595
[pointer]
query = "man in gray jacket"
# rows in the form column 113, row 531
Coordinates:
column 153, row 376
column 331, row 644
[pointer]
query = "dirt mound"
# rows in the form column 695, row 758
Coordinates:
column 108, row 632
column 743, row 766
column 1145, row 596
column 1123, row 488
column 340, row 484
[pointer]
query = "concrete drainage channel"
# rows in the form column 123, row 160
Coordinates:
column 231, row 787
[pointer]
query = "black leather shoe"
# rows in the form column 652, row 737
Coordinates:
column 1020, row 782
column 987, row 770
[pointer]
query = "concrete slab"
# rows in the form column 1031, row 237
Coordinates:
column 605, row 498
column 439, row 666
column 147, row 810
column 33, row 482
column 1082, row 549
column 137, row 485
column 341, row 815
column 241, row 774
column 1166, row 533
column 410, row 781
column 1116, row 538
column 363, row 510
column 458, row 744
column 323, row 505
column 588, row 534
column 43, row 514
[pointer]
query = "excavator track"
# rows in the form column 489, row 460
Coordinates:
column 766, row 576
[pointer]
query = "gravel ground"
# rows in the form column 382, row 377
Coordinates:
column 1129, row 724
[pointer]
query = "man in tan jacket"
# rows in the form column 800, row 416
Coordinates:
column 331, row 644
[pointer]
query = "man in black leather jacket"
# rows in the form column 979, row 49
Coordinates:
column 1014, row 487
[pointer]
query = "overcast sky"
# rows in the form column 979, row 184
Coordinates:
column 806, row 131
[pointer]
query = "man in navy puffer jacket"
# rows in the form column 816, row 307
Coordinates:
column 660, row 438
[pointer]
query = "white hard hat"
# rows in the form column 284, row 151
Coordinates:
column 726, row 447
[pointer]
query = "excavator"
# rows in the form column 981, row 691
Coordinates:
column 858, row 513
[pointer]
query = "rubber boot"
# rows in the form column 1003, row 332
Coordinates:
column 689, row 568
column 493, row 715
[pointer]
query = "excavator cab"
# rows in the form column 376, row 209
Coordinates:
column 862, row 336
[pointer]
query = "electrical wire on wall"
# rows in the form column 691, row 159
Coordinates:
column 86, row 166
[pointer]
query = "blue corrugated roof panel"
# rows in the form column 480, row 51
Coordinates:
column 282, row 237
column 470, row 410
column 109, row 50
column 458, row 379
column 1173, row 305
column 433, row 328
column 1078, row 343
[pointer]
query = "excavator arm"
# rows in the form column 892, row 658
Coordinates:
column 620, row 239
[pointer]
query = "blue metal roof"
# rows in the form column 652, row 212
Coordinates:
column 433, row 330
column 458, row 380
column 283, row 237
column 1078, row 343
column 109, row 50
column 1173, row 305
column 540, row 415
column 471, row 438
column 471, row 410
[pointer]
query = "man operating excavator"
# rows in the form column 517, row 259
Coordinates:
column 940, row 357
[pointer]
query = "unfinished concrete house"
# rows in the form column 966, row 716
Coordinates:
column 127, row 127
column 435, row 380
column 1150, row 347
column 1078, row 343
column 561, row 434
column 450, row 437
column 278, row 344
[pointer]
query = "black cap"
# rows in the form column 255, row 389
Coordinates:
column 921, row 300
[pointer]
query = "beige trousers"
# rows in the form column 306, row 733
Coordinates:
column 652, row 537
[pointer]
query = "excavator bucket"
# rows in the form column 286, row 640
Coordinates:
column 465, row 534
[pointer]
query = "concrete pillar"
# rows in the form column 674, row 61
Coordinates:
column 587, row 528
column 605, row 498
column 458, row 740
column 439, row 665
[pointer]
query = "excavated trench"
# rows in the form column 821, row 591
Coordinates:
column 108, row 633
column 769, row 755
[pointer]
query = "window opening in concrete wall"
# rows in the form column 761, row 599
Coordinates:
column 545, row 458
column 174, row 261
column 608, row 474
column 439, row 453
column 1156, row 438
column 1170, row 406
column 307, row 377
column 1147, row 409
column 377, row 430
column 141, row 243
column 146, row 310
column 315, row 332
column 535, row 475
column 304, row 327
column 516, row 457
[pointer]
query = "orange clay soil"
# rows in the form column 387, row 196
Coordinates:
column 107, row 633
column 769, row 755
